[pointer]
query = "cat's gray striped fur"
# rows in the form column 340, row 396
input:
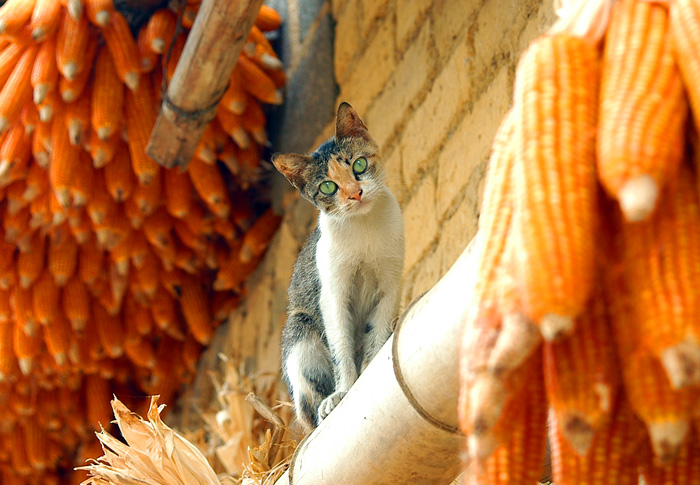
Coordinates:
column 346, row 282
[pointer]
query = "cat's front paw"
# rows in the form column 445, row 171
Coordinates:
column 328, row 404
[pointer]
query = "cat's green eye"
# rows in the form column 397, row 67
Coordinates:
column 328, row 187
column 360, row 165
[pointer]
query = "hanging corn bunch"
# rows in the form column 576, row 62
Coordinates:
column 590, row 233
column 107, row 260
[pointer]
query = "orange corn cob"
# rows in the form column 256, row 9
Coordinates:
column 46, row 17
column 147, row 277
column 233, row 125
column 158, row 229
column 188, row 238
column 138, row 317
column 139, row 248
column 121, row 254
column 5, row 309
column 101, row 203
column 51, row 104
column 210, row 186
column 556, row 288
column 662, row 281
column 30, row 264
column 666, row 412
column 175, row 54
column 148, row 197
column 184, row 258
column 257, row 83
column 641, row 132
column 684, row 27
column 13, row 196
column 30, row 118
column 521, row 437
column 254, row 122
column 15, row 225
column 14, row 14
column 57, row 335
column 78, row 119
column 107, row 97
column 268, row 19
column 9, row 56
column 684, row 469
column 235, row 98
column 206, row 149
column 109, row 330
column 23, row 309
column 26, row 347
column 160, row 29
column 15, row 151
column 18, row 454
column 45, row 298
column 102, row 151
column 163, row 309
column 178, row 192
column 64, row 161
column 114, row 228
column 97, row 396
column 141, row 352
column 258, row 237
column 36, row 445
column 140, row 118
column 36, row 183
column 133, row 212
column 195, row 308
column 63, row 251
column 82, row 186
column 74, row 37
column 248, row 161
column 99, row 11
column 91, row 258
column 125, row 52
column 581, row 377
column 147, row 58
column 232, row 274
column 612, row 459
column 76, row 303
column 40, row 211
column 69, row 89
column 224, row 228
column 75, row 8
column 263, row 55
column 16, row 91
column 118, row 176
column 191, row 350
column 8, row 362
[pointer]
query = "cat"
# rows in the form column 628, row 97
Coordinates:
column 346, row 282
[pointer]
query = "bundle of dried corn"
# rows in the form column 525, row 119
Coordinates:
column 588, row 242
column 153, row 453
column 114, row 272
column 246, row 436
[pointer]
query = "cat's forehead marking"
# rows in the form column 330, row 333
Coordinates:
column 339, row 172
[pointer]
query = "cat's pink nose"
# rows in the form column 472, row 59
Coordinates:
column 357, row 196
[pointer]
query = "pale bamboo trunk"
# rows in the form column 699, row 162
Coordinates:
column 376, row 435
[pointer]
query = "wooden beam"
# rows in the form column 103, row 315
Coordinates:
column 398, row 422
column 216, row 40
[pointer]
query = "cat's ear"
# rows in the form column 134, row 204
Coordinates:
column 293, row 166
column 349, row 124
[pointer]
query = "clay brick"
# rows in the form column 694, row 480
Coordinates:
column 409, row 15
column 456, row 232
column 450, row 20
column 347, row 38
column 372, row 69
column 431, row 122
column 420, row 222
column 392, row 164
column 372, row 11
column 470, row 144
column 404, row 85
column 427, row 273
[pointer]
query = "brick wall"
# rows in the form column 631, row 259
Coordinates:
column 432, row 80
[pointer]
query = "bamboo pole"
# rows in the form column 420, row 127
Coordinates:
column 398, row 423
column 202, row 75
